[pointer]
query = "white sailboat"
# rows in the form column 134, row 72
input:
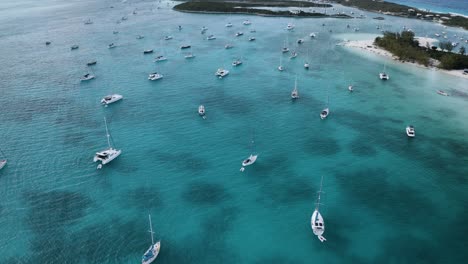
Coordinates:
column 306, row 63
column 112, row 98
column 107, row 155
column 350, row 88
column 221, row 73
column 410, row 131
column 201, row 111
column 325, row 111
column 3, row 160
column 295, row 93
column 383, row 75
column 152, row 253
column 251, row 159
column 316, row 221
column 237, row 62
column 280, row 67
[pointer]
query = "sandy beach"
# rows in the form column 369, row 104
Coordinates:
column 368, row 45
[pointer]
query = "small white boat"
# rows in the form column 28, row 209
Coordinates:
column 160, row 58
column 312, row 35
column 285, row 49
column 3, row 162
column 204, row 29
column 189, row 56
column 324, row 113
column 236, row 62
column 109, row 99
column 221, row 73
column 152, row 253
column 201, row 110
column 228, row 46
column 140, row 37
column 247, row 22
column 148, row 51
column 211, row 37
column 74, row 47
column 107, row 155
column 384, row 76
column 350, row 88
column 290, row 26
column 295, row 93
column 111, row 46
column 239, row 34
column 410, row 131
column 280, row 67
column 316, row 221
column 251, row 38
column 124, row 18
column 300, row 41
column 250, row 160
column 155, row 76
column 442, row 93
column 167, row 37
column 229, row 24
column 87, row 77
column 306, row 65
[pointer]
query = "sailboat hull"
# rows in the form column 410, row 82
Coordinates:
column 317, row 224
column 151, row 254
column 2, row 163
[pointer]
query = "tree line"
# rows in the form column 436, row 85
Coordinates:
column 406, row 48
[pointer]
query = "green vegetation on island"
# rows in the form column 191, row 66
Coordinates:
column 406, row 48
column 249, row 8
column 406, row 11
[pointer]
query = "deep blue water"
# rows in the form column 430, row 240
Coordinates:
column 387, row 198
column 453, row 6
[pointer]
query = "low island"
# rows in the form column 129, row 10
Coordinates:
column 393, row 9
column 256, row 8
column 259, row 7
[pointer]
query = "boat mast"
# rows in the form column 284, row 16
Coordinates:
column 295, row 84
column 317, row 205
column 151, row 230
column 107, row 134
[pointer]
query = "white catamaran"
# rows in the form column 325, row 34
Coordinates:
column 316, row 221
column 295, row 93
column 152, row 253
column 107, row 155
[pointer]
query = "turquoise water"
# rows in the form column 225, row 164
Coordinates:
column 387, row 199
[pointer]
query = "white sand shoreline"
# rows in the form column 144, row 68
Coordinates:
column 368, row 45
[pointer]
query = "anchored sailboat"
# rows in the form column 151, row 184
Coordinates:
column 152, row 253
column 325, row 111
column 316, row 221
column 251, row 159
column 107, row 155
column 295, row 93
